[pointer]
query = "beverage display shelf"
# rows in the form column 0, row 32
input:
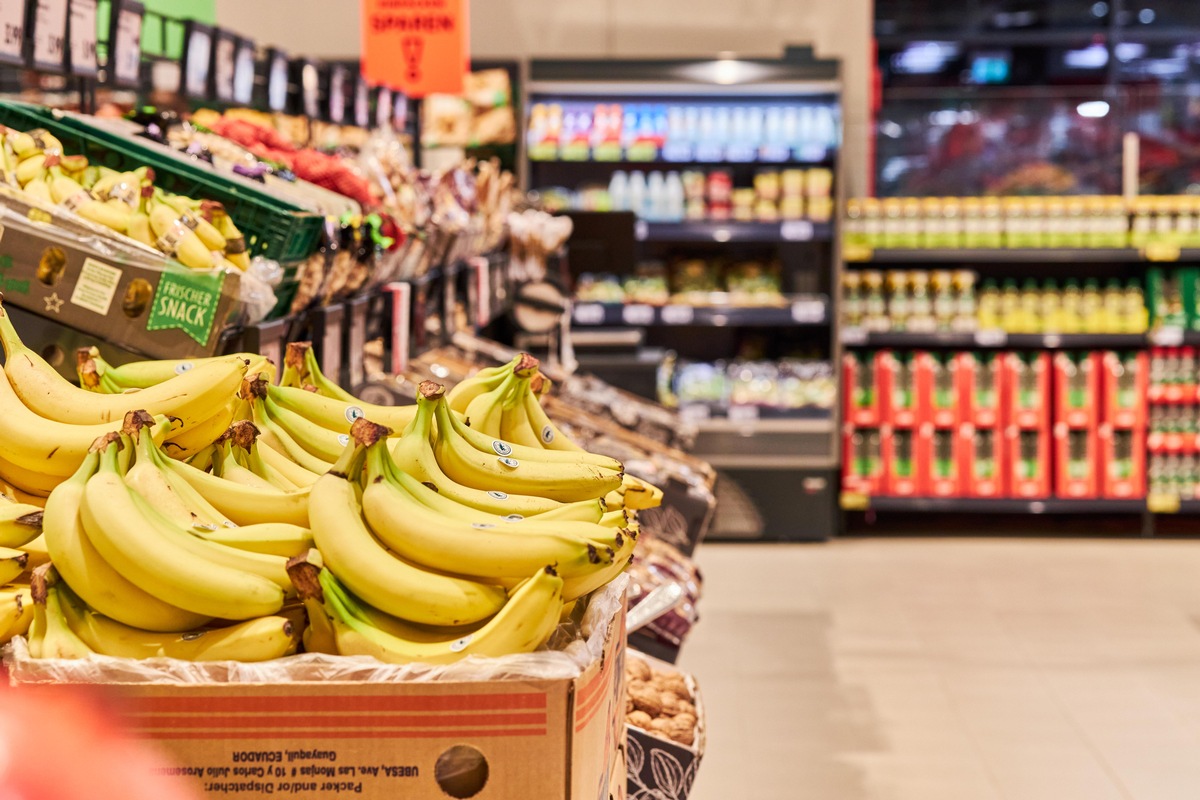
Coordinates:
column 993, row 339
column 799, row 311
column 995, row 505
column 1016, row 255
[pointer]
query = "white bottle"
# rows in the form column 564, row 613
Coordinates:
column 618, row 191
column 674, row 205
column 656, row 197
column 637, row 193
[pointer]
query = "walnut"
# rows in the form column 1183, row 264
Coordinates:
column 639, row 718
column 670, row 703
column 686, row 709
column 684, row 734
column 676, row 684
column 661, row 726
column 646, row 699
column 685, row 719
column 637, row 669
column 628, row 704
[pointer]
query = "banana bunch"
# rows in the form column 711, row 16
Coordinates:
column 97, row 375
column 63, row 626
column 301, row 371
column 504, row 402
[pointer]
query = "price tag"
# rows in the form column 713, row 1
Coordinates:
column 277, row 81
column 796, row 230
column 1159, row 503
column 1051, row 341
column 1162, row 251
column 678, row 315
column 197, row 58
column 589, row 314
column 310, row 89
column 1167, row 337
column 742, row 414
column 854, row 336
column 694, row 413
column 991, row 338
column 854, row 501
column 12, row 31
column 223, row 67
column 637, row 314
column 677, row 152
column 125, row 54
column 808, row 311
column 50, row 34
column 362, row 103
column 82, row 34
column 243, row 73
column 641, row 230
column 811, row 153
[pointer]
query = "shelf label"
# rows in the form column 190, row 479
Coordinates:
column 855, row 501
column 12, row 29
column 992, row 337
column 857, row 252
column 1161, row 251
column 1167, row 337
column 796, row 230
column 856, row 335
column 83, row 37
column 1051, row 340
column 742, row 414
column 677, row 151
column 709, row 152
column 740, row 153
column 637, row 314
column 811, row 153
column 641, row 230
column 694, row 413
column 808, row 311
column 774, row 153
column 50, row 33
column 125, row 53
column 589, row 314
column 678, row 315
column 1159, row 503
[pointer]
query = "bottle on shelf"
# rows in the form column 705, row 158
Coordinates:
column 618, row 191
column 1049, row 317
column 638, row 201
column 990, row 314
column 1010, row 307
column 1092, row 306
column 899, row 309
column 1072, row 307
column 674, row 206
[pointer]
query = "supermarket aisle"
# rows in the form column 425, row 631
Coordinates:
column 955, row 669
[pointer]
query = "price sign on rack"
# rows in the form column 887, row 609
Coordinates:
column 125, row 51
column 81, row 32
column 362, row 103
column 223, row 65
column 277, row 80
column 197, row 55
column 383, row 107
column 337, row 94
column 678, row 315
column 12, row 31
column 637, row 314
column 50, row 35
column 243, row 73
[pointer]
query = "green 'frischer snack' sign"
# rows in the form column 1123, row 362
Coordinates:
column 188, row 301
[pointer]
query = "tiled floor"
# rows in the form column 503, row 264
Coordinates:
column 950, row 669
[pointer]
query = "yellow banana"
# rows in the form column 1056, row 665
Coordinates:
column 176, row 239
column 16, row 612
column 20, row 523
column 337, row 415
column 12, row 564
column 269, row 538
column 183, row 443
column 319, row 636
column 50, row 635
column 483, row 381
column 245, row 505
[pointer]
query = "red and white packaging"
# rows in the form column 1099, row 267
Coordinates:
column 984, row 467
column 1026, row 384
column 1077, row 462
column 1125, row 383
column 939, row 393
column 940, row 461
column 1027, row 461
column 900, row 462
column 863, row 468
column 1122, row 462
column 981, row 376
column 898, row 376
column 1077, row 389
column 864, row 398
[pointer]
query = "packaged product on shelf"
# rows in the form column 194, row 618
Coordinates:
column 862, row 462
column 899, row 382
column 901, row 478
column 980, row 374
column 1126, row 388
column 940, row 389
column 1026, row 383
column 860, row 390
column 694, row 279
column 940, row 463
column 657, row 564
column 853, row 301
column 665, row 728
column 985, row 466
column 603, row 288
column 648, row 284
column 754, row 283
column 876, row 314
column 899, row 306
column 1077, row 389
column 1077, row 455
column 1028, row 452
column 1123, row 461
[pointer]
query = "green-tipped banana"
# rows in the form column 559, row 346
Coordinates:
column 50, row 635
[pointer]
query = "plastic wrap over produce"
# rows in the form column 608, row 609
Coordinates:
column 570, row 650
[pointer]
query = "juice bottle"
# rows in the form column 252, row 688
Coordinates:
column 853, row 306
column 921, row 310
column 1010, row 308
column 964, row 292
column 875, row 308
column 1051, row 313
column 1135, row 316
column 945, row 306
column 1092, row 306
column 899, row 309
column 989, row 315
column 1071, row 312
column 1031, row 306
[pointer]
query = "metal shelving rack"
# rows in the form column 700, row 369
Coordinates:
column 782, row 468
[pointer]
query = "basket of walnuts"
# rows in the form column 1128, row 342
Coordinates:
column 664, row 723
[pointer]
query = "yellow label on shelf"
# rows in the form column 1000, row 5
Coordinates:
column 857, row 252
column 1162, row 503
column 855, row 501
column 1161, row 251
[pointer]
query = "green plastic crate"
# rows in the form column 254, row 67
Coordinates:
column 273, row 229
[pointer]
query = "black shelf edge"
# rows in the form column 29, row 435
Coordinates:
column 994, row 340
column 734, row 231
column 1006, row 505
column 1015, row 255
column 800, row 312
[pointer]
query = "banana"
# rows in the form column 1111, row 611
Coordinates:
column 110, row 213
column 486, row 411
column 36, row 550
column 186, row 441
column 132, row 543
column 285, row 468
column 276, row 438
column 483, row 381
column 176, row 239
column 146, row 478
column 525, row 622
column 20, row 523
column 144, row 374
column 25, row 480
column 226, row 467
column 382, row 578
column 30, row 170
column 552, row 438
column 190, row 216
column 138, row 228
column 484, row 549
column 22, row 144
column 316, row 377
column 63, row 188
column 12, row 564
column 245, row 505
column 90, row 576
column 319, row 635
column 576, row 587
column 639, row 495
column 16, row 612
column 337, row 415
column 255, row 640
column 494, row 446
column 269, row 538
column 515, row 426
column 320, row 442
column 567, row 482
column 39, row 190
column 244, row 450
column 54, row 637
column 413, row 454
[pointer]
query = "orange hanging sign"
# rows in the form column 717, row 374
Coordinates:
column 418, row 47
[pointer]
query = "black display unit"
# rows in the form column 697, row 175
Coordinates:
column 770, row 459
